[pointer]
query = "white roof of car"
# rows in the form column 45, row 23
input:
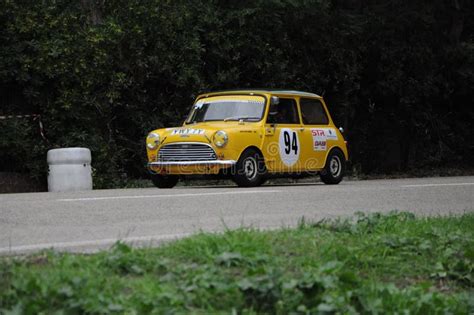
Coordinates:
column 272, row 91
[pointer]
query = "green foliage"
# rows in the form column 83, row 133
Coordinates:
column 373, row 263
column 398, row 76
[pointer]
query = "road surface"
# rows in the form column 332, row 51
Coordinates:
column 94, row 220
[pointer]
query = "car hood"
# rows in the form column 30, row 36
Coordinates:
column 200, row 132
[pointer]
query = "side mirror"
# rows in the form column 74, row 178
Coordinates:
column 275, row 100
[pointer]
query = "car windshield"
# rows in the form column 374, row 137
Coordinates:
column 227, row 108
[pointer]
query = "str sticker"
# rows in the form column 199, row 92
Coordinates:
column 187, row 131
column 289, row 146
column 321, row 136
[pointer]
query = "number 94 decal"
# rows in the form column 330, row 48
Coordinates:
column 289, row 146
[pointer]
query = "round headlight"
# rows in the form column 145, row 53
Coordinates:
column 220, row 138
column 152, row 140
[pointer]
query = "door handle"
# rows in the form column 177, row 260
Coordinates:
column 269, row 132
column 301, row 129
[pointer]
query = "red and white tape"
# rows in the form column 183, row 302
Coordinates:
column 34, row 116
column 19, row 116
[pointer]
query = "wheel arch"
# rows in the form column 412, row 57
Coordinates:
column 335, row 148
column 252, row 147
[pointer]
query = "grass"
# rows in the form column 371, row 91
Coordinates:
column 394, row 263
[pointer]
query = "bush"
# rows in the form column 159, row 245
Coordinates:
column 102, row 74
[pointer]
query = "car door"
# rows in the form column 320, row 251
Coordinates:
column 282, row 143
column 318, row 136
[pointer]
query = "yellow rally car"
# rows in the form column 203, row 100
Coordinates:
column 250, row 135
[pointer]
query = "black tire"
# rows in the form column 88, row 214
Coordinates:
column 334, row 169
column 164, row 181
column 250, row 169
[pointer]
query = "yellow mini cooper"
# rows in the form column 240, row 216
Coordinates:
column 250, row 135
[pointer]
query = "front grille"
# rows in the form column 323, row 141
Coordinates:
column 176, row 152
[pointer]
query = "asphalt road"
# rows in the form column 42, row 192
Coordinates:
column 93, row 220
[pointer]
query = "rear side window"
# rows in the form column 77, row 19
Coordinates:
column 313, row 112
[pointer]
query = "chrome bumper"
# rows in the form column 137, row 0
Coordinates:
column 192, row 163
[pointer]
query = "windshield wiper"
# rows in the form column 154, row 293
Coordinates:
column 243, row 118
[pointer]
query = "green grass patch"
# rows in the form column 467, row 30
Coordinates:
column 372, row 263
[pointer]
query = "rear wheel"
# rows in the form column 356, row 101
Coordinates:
column 250, row 169
column 164, row 181
column 334, row 169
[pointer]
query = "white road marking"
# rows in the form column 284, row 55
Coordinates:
column 436, row 185
column 173, row 195
column 102, row 242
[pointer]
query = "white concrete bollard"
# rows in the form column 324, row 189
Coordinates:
column 69, row 169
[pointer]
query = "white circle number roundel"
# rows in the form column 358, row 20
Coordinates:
column 289, row 146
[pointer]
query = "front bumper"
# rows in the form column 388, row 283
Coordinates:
column 193, row 163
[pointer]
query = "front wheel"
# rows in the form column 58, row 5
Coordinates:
column 250, row 169
column 334, row 169
column 164, row 181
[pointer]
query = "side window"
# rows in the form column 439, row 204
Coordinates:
column 313, row 112
column 285, row 112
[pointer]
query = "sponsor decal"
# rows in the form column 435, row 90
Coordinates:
column 187, row 132
column 201, row 102
column 331, row 133
column 321, row 136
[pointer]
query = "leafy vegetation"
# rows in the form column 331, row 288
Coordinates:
column 398, row 75
column 373, row 263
